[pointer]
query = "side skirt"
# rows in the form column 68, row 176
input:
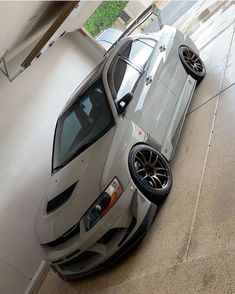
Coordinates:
column 172, row 135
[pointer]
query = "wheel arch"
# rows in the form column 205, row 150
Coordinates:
column 156, row 194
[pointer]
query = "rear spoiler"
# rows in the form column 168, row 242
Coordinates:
column 151, row 10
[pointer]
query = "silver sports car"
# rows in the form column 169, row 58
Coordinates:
column 112, row 147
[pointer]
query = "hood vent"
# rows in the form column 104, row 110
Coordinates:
column 60, row 200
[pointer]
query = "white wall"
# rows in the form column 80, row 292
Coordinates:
column 134, row 7
column 28, row 111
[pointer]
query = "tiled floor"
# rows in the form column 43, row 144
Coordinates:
column 190, row 247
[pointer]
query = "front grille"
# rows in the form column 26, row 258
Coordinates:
column 66, row 236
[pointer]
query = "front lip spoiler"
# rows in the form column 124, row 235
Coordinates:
column 134, row 240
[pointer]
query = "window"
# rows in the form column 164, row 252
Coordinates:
column 123, row 79
column 81, row 125
column 127, row 66
column 138, row 52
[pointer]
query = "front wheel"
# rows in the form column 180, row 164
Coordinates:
column 192, row 63
column 150, row 172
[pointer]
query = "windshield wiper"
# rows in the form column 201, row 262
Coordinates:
column 82, row 148
column 60, row 166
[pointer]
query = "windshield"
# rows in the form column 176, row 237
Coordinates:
column 81, row 125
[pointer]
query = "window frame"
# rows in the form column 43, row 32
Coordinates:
column 118, row 56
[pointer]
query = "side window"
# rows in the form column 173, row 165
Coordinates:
column 138, row 52
column 127, row 66
column 123, row 79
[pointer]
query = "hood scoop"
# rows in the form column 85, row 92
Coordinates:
column 60, row 200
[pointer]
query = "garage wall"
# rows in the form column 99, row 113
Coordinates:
column 28, row 111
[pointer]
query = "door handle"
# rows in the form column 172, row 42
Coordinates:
column 148, row 80
column 162, row 48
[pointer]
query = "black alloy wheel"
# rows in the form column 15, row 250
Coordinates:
column 150, row 172
column 192, row 63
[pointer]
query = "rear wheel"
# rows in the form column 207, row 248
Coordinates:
column 150, row 172
column 192, row 63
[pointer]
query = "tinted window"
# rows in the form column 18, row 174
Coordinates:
column 123, row 79
column 82, row 124
column 138, row 52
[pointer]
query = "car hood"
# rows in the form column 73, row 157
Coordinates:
column 86, row 169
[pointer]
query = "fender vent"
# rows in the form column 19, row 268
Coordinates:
column 66, row 236
column 60, row 200
column 108, row 237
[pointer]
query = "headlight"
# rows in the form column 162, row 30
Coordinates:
column 105, row 201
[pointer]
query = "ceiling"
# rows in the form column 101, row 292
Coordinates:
column 23, row 22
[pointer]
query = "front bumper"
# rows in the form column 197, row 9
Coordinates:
column 115, row 234
column 134, row 240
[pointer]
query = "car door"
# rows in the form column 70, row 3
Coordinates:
column 153, row 104
column 139, row 67
column 126, row 74
column 165, row 81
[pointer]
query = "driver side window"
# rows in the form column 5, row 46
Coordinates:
column 127, row 66
column 125, row 79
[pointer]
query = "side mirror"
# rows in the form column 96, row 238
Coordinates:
column 123, row 102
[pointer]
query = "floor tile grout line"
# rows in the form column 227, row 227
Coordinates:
column 212, row 254
column 226, row 88
column 207, row 152
column 201, row 182
column 213, row 97
column 226, row 65
column 15, row 268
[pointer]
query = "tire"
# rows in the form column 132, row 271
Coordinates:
column 192, row 63
column 150, row 172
